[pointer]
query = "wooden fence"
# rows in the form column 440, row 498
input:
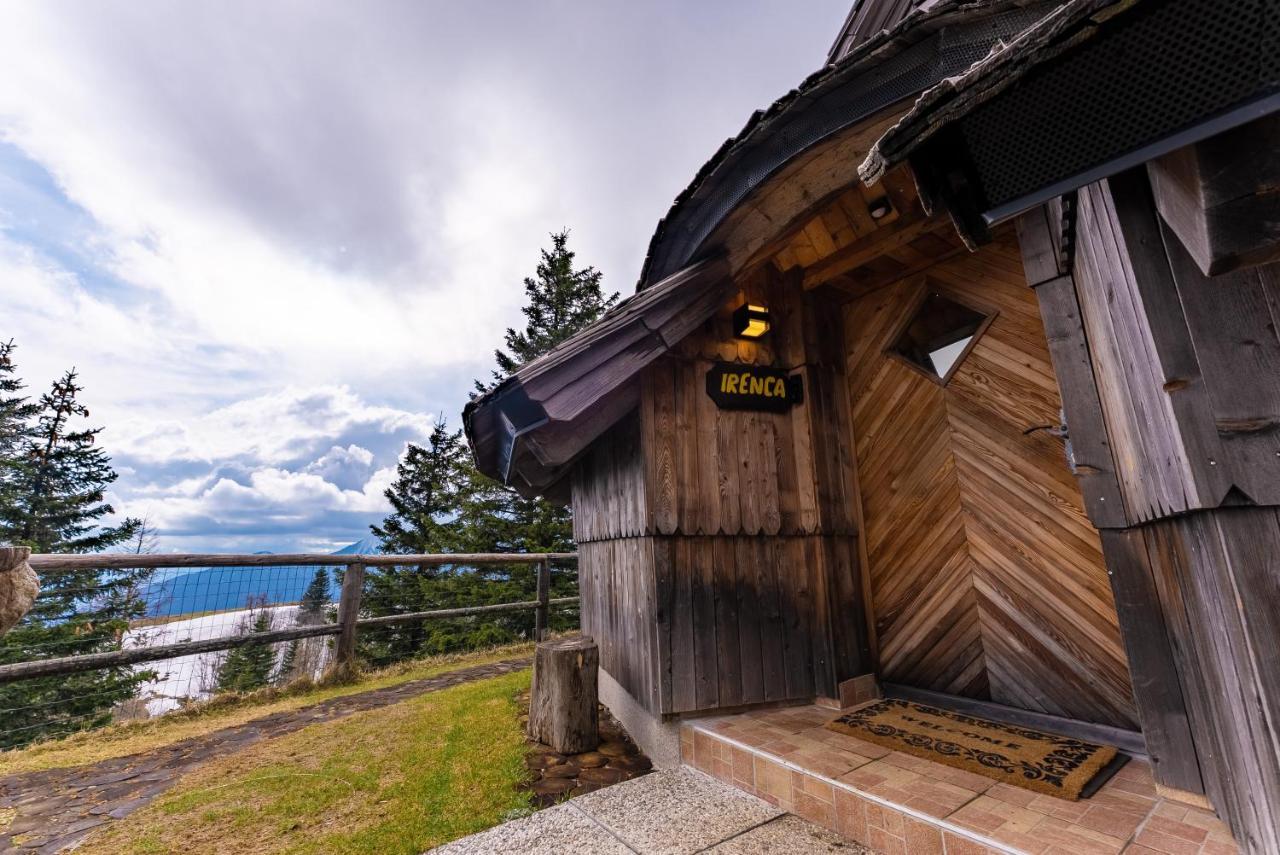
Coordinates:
column 349, row 621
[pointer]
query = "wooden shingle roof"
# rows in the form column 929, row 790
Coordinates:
column 529, row 429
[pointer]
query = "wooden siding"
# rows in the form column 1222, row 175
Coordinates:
column 679, row 465
column 719, row 559
column 749, row 618
column 618, row 582
column 608, row 487
column 1188, row 367
column 986, row 577
column 1217, row 574
column 1184, row 376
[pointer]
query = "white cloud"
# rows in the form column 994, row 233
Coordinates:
column 274, row 235
column 345, row 467
column 292, row 425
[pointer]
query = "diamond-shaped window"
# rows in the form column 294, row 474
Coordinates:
column 939, row 335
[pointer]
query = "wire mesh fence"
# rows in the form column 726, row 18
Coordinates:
column 116, row 642
column 406, row 590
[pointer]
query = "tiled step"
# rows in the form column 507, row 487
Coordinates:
column 897, row 803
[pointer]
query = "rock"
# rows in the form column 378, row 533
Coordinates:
column 564, row 770
column 551, row 786
column 542, row 761
column 591, row 760
column 634, row 763
column 603, row 775
column 615, row 749
column 18, row 585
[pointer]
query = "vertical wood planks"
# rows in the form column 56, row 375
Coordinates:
column 745, row 559
column 690, row 515
column 728, row 626
column 683, row 672
column 660, row 446
column 1234, row 326
column 711, row 581
column 707, row 485
column 1158, row 693
column 705, row 649
column 1094, row 466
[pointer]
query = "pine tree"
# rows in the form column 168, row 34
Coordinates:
column 314, row 599
column 16, row 414
column 560, row 302
column 424, row 495
column 299, row 654
column 249, row 667
column 424, row 500
column 54, row 500
column 288, row 663
column 59, row 498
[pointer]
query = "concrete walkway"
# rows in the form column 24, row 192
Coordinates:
column 51, row 811
column 673, row 812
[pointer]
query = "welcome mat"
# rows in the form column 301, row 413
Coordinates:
column 1044, row 762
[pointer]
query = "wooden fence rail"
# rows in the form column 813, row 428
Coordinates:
column 349, row 621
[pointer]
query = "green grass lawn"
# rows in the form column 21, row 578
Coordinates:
column 400, row 779
column 132, row 737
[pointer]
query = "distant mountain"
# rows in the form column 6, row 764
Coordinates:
column 181, row 591
column 364, row 546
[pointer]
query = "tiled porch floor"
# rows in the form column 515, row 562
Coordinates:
column 903, row 805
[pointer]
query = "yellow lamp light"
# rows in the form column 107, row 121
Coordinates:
column 750, row 321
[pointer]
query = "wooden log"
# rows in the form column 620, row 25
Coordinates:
column 348, row 614
column 460, row 559
column 135, row 655
column 542, row 615
column 563, row 710
column 156, row 653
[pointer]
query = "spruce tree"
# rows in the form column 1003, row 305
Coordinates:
column 424, row 500
column 249, row 667
column 424, row 495
column 54, row 488
column 300, row 654
column 288, row 663
column 314, row 599
column 60, row 495
column 561, row 301
column 16, row 414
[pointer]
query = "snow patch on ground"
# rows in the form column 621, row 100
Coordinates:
column 192, row 677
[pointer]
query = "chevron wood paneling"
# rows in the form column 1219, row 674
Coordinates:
column 987, row 579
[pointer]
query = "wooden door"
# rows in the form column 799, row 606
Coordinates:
column 986, row 579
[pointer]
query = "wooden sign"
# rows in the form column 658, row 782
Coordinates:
column 753, row 387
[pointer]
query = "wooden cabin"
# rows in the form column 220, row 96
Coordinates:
column 955, row 375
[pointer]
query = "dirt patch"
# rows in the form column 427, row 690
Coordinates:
column 555, row 777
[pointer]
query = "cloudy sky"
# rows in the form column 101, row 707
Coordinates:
column 279, row 238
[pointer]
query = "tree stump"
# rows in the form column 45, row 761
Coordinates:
column 563, row 710
column 19, row 586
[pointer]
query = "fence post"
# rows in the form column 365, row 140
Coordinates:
column 544, row 596
column 348, row 613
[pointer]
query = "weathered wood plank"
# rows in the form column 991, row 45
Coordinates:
column 663, row 474
column 1158, row 691
column 1091, row 449
column 1238, row 351
column 729, row 662
column 705, row 648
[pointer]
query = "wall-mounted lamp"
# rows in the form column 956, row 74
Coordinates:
column 750, row 321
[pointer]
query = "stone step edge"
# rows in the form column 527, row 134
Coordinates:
column 941, row 824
